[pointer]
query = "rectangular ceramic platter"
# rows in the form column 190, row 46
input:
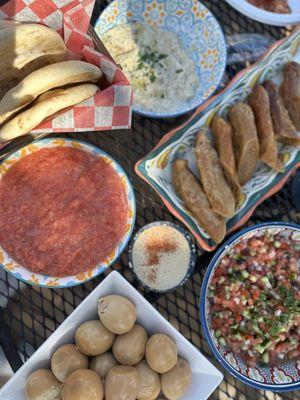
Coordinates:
column 205, row 377
column 156, row 167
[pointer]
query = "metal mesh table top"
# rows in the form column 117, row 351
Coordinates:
column 32, row 313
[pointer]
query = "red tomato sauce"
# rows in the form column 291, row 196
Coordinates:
column 62, row 211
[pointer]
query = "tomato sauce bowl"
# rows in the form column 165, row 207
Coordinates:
column 250, row 306
column 68, row 211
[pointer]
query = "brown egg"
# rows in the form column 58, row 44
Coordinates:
column 92, row 338
column 42, row 385
column 161, row 353
column 83, row 384
column 129, row 349
column 103, row 363
column 67, row 359
column 175, row 383
column 149, row 382
column 117, row 313
column 121, row 383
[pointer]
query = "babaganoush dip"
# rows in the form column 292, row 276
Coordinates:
column 254, row 298
column 62, row 211
column 155, row 62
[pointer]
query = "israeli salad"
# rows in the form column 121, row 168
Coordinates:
column 254, row 297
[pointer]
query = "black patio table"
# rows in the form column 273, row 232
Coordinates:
column 31, row 314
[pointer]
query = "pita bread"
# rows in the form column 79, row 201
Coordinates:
column 7, row 23
column 46, row 105
column 40, row 81
column 24, row 38
column 25, row 48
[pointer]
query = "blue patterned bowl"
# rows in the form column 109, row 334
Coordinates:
column 283, row 378
column 197, row 29
column 22, row 273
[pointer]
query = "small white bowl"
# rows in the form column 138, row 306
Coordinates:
column 205, row 377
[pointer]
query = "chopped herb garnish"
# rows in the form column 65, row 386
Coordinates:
column 148, row 60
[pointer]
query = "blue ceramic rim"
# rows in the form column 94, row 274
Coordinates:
column 129, row 234
column 257, row 385
column 156, row 115
column 193, row 257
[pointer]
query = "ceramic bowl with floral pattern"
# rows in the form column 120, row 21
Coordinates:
column 196, row 27
column 279, row 377
column 156, row 167
column 22, row 273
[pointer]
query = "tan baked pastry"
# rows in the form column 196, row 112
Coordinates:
column 290, row 91
column 283, row 126
column 268, row 151
column 222, row 131
column 191, row 193
column 46, row 105
column 245, row 140
column 44, row 79
column 212, row 176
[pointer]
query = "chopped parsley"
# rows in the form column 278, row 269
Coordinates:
column 148, row 60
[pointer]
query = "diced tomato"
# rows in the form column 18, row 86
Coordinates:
column 256, row 294
column 217, row 323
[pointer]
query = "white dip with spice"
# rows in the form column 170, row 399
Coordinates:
column 161, row 257
column 161, row 72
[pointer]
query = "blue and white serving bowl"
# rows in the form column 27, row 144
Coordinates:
column 196, row 27
column 285, row 377
column 22, row 273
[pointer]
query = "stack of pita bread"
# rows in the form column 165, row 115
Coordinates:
column 36, row 79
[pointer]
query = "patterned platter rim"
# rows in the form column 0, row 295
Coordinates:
column 22, row 273
column 292, row 43
column 112, row 10
column 264, row 16
column 281, row 387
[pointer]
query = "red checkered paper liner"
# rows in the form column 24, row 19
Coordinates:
column 109, row 109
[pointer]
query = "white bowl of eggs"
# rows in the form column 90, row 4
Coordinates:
column 115, row 344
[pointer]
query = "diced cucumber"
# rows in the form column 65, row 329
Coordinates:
column 293, row 341
column 238, row 336
column 253, row 278
column 245, row 273
column 221, row 280
column 222, row 341
column 256, row 328
column 217, row 333
column 277, row 244
column 263, row 346
column 266, row 357
column 246, row 314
